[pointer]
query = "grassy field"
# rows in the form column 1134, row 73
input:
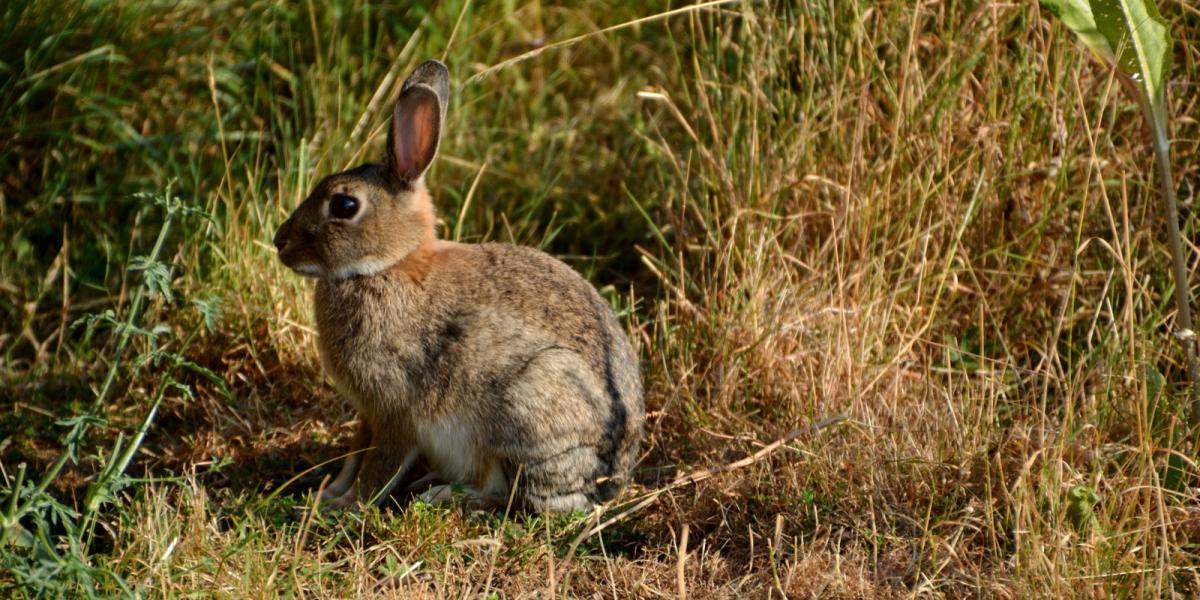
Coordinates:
column 931, row 228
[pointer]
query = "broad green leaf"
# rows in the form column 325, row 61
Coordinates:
column 1077, row 16
column 1132, row 35
column 1138, row 32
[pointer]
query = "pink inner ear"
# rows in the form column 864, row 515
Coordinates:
column 414, row 133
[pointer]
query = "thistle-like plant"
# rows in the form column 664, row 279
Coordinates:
column 1132, row 36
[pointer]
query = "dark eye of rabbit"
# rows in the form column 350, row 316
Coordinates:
column 343, row 206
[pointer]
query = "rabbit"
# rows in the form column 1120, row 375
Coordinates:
column 499, row 365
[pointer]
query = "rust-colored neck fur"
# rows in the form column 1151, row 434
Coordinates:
column 416, row 264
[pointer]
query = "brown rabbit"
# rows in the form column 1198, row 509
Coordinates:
column 497, row 364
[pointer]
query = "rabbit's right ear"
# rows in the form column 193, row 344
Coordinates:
column 417, row 121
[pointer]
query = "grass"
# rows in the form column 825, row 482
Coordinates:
column 939, row 221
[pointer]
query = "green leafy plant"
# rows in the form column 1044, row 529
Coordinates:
column 55, row 560
column 1081, row 503
column 1134, row 38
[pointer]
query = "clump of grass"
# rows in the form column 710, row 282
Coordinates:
column 922, row 218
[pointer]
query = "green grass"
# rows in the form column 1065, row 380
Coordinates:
column 941, row 223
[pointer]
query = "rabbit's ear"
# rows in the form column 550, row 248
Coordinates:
column 417, row 121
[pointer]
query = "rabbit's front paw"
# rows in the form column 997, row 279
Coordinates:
column 332, row 492
column 426, row 483
column 451, row 492
column 346, row 499
column 438, row 494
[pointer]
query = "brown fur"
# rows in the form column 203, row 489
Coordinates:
column 498, row 364
column 418, row 264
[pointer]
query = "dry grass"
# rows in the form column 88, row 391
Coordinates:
column 937, row 221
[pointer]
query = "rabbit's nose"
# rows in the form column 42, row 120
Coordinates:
column 280, row 240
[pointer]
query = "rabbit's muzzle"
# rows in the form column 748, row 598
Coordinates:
column 280, row 240
column 295, row 248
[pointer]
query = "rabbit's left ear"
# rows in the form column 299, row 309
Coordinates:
column 417, row 121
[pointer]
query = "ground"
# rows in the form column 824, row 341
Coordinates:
column 931, row 228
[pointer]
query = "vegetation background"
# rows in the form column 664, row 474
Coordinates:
column 936, row 219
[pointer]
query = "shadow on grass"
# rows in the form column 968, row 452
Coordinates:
column 279, row 426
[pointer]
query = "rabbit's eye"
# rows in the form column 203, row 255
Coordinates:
column 343, row 206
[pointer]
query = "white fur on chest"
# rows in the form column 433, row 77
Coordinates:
column 451, row 447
